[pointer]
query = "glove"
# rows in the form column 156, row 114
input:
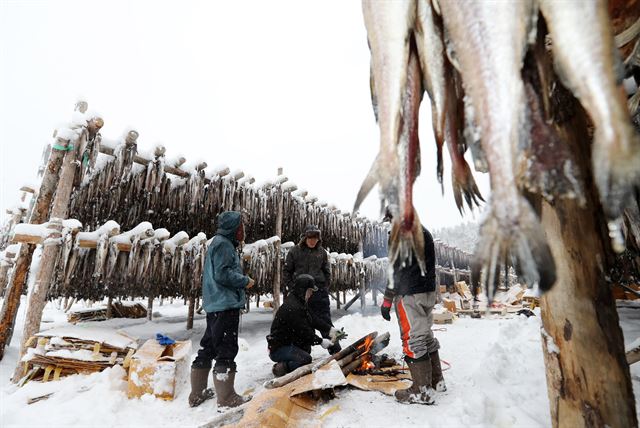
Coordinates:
column 385, row 308
column 337, row 335
column 164, row 340
column 326, row 343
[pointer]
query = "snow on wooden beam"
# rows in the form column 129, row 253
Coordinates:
column 175, row 170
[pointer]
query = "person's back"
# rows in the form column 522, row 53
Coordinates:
column 408, row 277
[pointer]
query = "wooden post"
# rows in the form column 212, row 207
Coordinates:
column 51, row 247
column 192, row 310
column 12, row 295
column 361, row 281
column 39, row 214
column 150, row 306
column 438, row 295
column 109, row 307
column 277, row 277
column 588, row 379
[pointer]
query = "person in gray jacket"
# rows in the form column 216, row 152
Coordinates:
column 223, row 296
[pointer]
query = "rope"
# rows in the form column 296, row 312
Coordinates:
column 439, row 329
column 66, row 148
column 447, row 364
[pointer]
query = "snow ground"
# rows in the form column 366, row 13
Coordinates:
column 496, row 377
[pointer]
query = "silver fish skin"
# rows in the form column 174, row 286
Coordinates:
column 388, row 24
column 490, row 40
column 431, row 50
column 406, row 236
column 585, row 60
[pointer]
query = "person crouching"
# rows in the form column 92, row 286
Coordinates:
column 293, row 329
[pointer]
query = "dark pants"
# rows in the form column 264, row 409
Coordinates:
column 291, row 355
column 318, row 304
column 219, row 342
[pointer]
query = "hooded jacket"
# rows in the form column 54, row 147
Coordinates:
column 293, row 323
column 223, row 283
column 312, row 261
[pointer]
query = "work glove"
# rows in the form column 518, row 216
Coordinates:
column 385, row 308
column 164, row 340
column 326, row 343
column 337, row 335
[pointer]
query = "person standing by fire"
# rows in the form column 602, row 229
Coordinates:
column 413, row 296
column 309, row 257
column 223, row 296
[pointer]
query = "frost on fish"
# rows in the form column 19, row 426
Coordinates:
column 586, row 61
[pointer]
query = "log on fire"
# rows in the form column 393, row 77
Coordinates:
column 360, row 352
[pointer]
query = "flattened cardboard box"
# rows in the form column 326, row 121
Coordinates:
column 154, row 369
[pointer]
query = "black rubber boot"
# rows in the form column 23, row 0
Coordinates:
column 225, row 391
column 280, row 369
column 199, row 391
column 420, row 391
column 437, row 380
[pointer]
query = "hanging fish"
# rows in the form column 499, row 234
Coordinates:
column 388, row 27
column 587, row 62
column 490, row 39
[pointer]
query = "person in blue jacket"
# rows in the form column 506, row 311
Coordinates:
column 223, row 296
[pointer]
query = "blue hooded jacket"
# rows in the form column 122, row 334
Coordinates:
column 223, row 282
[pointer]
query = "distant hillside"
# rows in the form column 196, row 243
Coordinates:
column 463, row 236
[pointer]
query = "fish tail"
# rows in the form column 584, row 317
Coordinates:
column 407, row 240
column 616, row 168
column 522, row 241
column 465, row 185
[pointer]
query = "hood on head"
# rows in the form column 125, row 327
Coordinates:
column 302, row 283
column 228, row 223
column 310, row 230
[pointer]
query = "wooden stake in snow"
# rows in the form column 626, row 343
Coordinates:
column 59, row 211
column 588, row 378
column 39, row 214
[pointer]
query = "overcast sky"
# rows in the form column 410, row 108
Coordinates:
column 255, row 85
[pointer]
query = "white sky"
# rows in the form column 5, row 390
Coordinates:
column 251, row 84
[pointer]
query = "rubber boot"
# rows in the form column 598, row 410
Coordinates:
column 226, row 393
column 437, row 380
column 420, row 391
column 199, row 391
column 280, row 369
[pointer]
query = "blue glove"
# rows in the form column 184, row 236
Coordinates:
column 164, row 340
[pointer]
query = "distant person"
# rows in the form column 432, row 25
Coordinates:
column 413, row 296
column 223, row 296
column 293, row 329
column 309, row 257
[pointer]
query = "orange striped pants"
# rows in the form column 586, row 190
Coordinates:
column 415, row 319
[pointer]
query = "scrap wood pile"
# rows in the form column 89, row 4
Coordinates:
column 66, row 351
column 118, row 310
column 293, row 399
column 505, row 300
column 129, row 186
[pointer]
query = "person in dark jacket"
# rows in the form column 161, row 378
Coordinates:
column 223, row 296
column 309, row 257
column 412, row 293
column 293, row 330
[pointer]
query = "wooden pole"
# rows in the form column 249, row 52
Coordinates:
column 277, row 277
column 588, row 379
column 39, row 214
column 192, row 310
column 12, row 295
column 51, row 248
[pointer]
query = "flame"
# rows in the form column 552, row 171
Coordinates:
column 365, row 349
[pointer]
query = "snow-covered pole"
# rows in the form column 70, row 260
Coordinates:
column 59, row 211
column 39, row 214
column 277, row 277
